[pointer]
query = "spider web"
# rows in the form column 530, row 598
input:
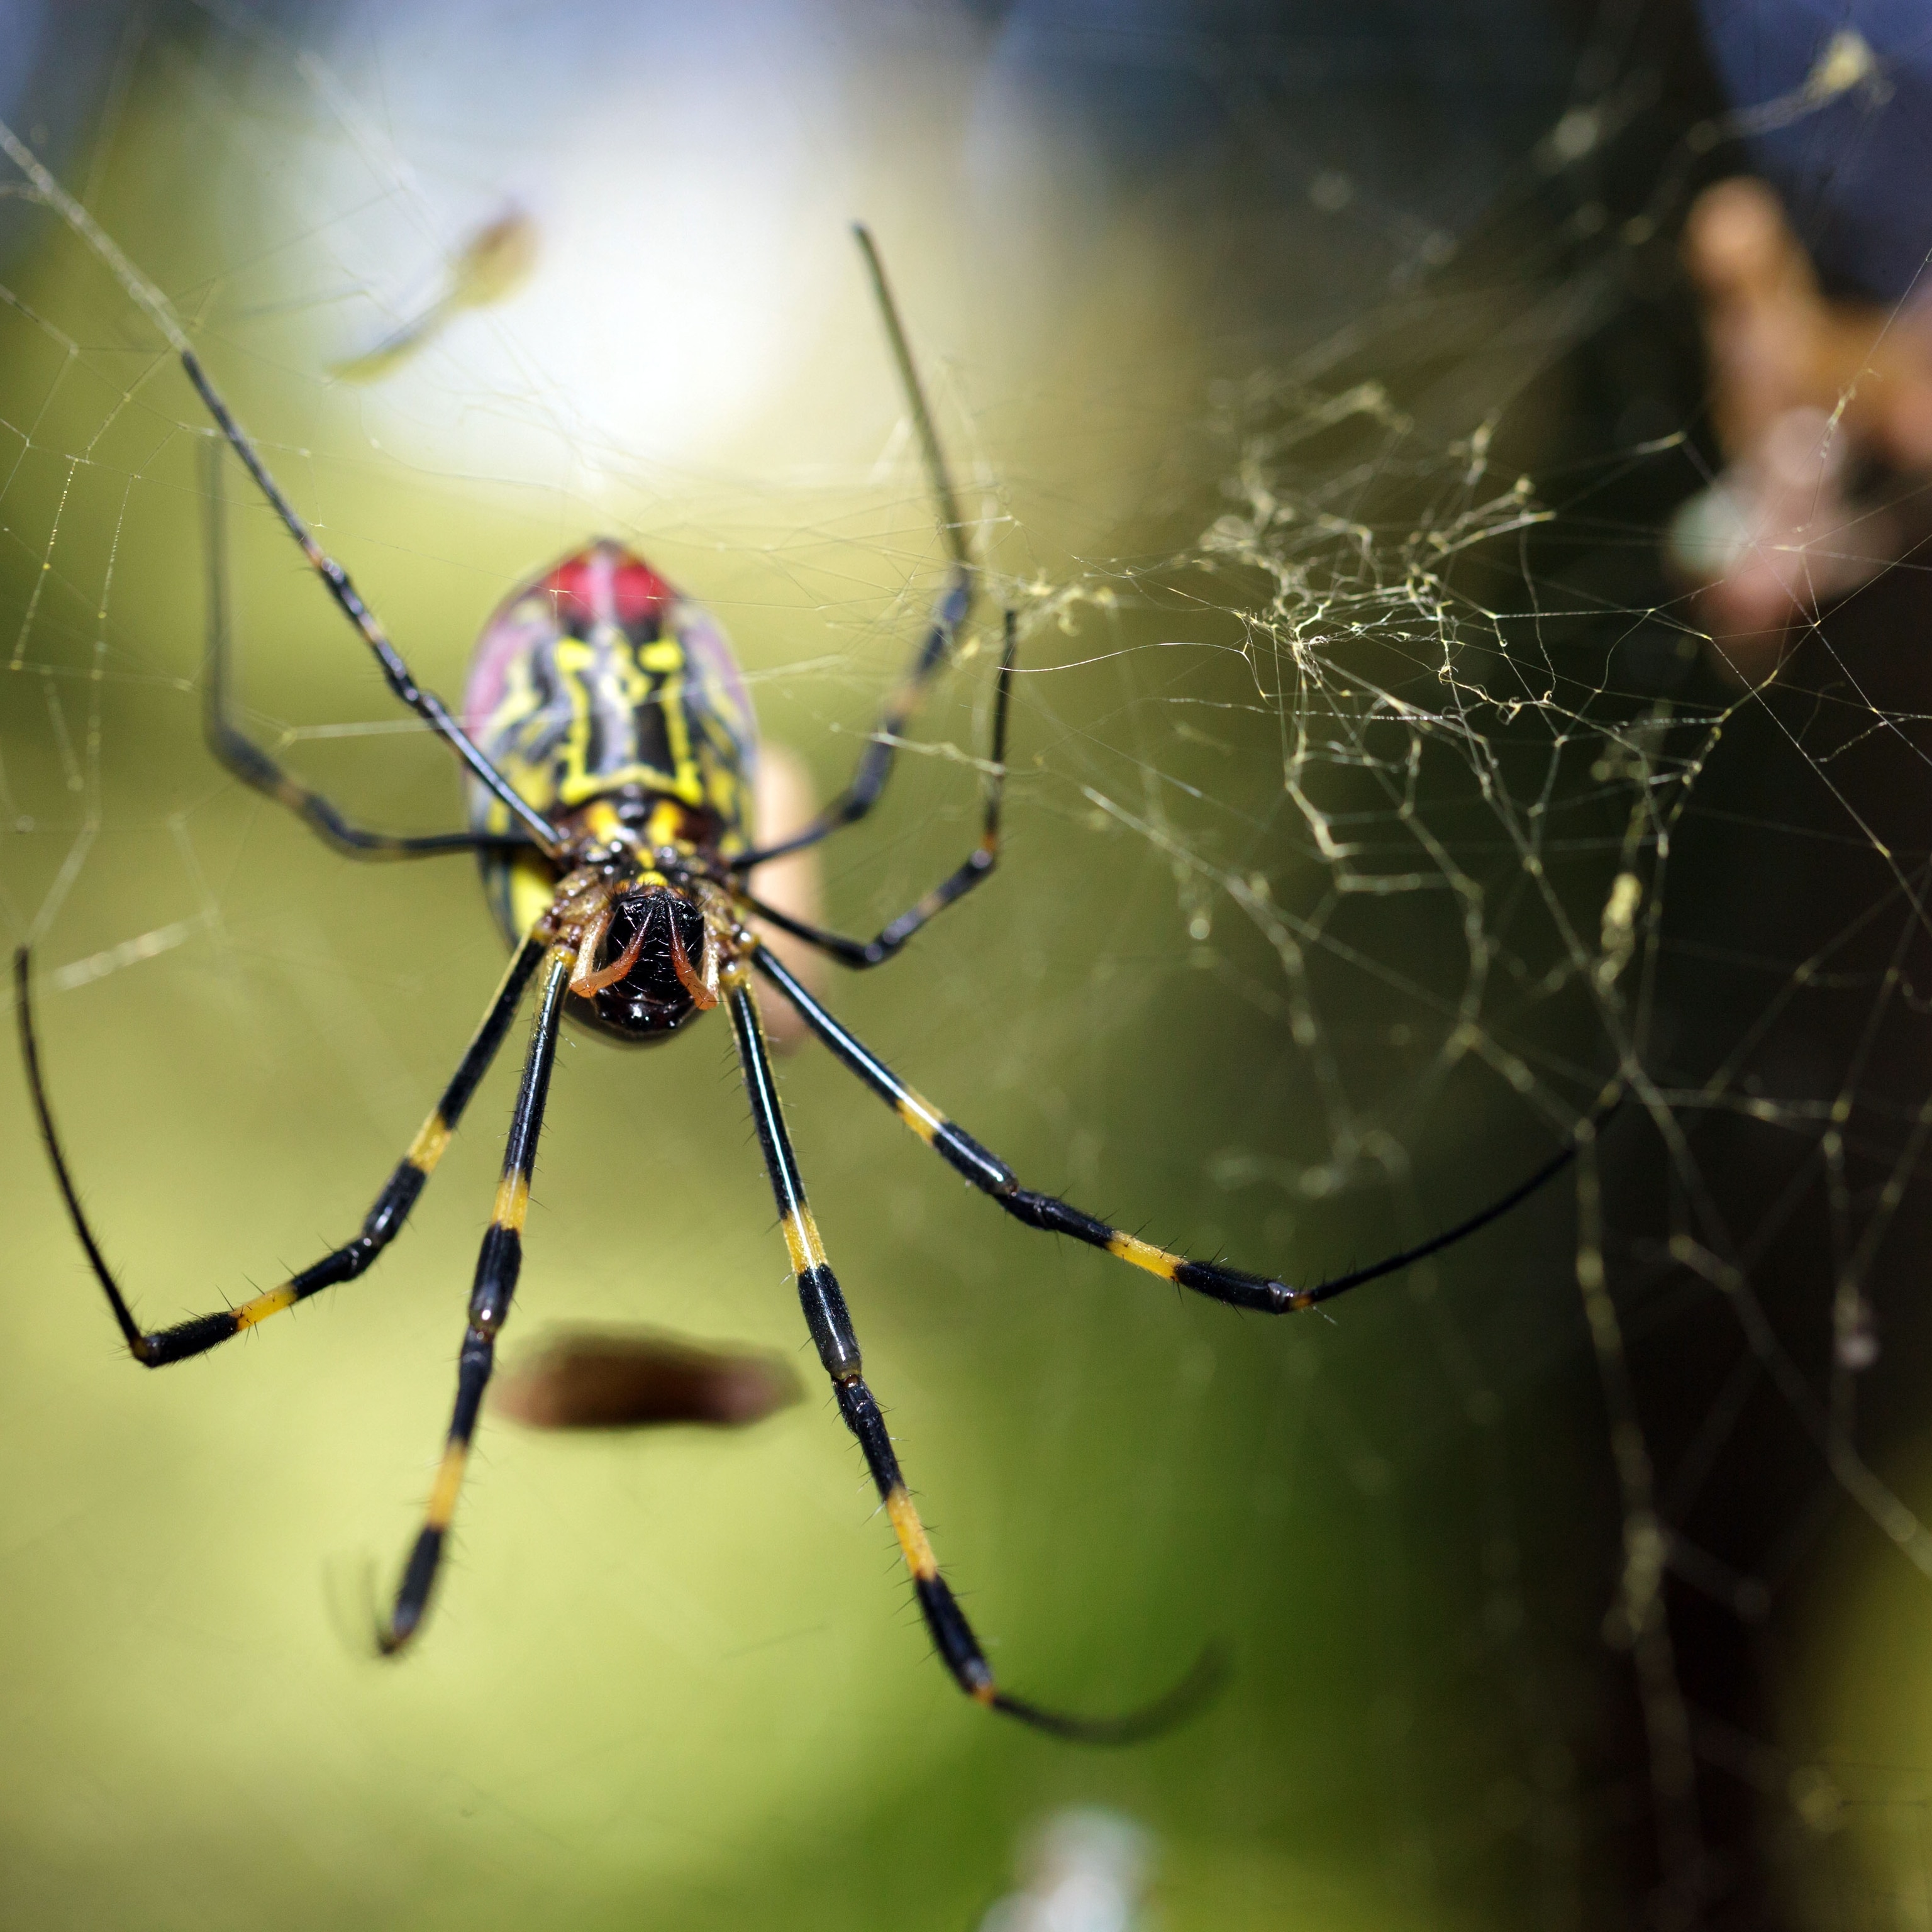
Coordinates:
column 1375, row 810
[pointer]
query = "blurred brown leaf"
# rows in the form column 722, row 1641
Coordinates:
column 638, row 1378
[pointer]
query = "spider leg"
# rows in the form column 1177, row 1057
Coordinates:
column 498, row 1265
column 951, row 525
column 380, row 1226
column 246, row 759
column 875, row 762
column 949, row 614
column 425, row 704
column 837, row 1346
column 992, row 1176
column 978, row 864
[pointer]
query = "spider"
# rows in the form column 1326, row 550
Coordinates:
column 609, row 745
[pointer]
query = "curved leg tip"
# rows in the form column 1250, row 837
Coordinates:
column 406, row 1615
column 1166, row 1713
column 393, row 1634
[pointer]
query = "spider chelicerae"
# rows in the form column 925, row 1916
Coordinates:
column 609, row 747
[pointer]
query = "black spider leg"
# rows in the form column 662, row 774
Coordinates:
column 952, row 525
column 837, row 1346
column 949, row 613
column 498, row 1265
column 992, row 1175
column 425, row 704
column 977, row 866
column 246, row 759
column 380, row 1226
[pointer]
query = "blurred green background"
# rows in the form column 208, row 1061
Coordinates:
column 677, row 1680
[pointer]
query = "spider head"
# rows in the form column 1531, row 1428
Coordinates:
column 655, row 966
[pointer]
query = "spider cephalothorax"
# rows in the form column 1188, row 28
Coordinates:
column 647, row 933
column 655, row 964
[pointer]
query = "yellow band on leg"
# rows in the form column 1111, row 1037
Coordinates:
column 263, row 1306
column 1145, row 1254
column 427, row 1149
column 911, row 1533
column 513, row 1202
column 449, row 1481
column 801, row 1234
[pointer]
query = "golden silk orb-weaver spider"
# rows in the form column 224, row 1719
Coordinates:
column 609, row 748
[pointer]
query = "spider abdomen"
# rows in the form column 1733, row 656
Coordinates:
column 596, row 680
